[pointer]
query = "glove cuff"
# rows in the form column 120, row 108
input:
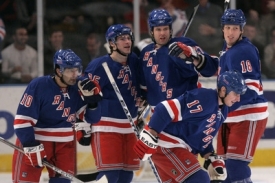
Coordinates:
column 34, row 149
column 201, row 64
column 31, row 144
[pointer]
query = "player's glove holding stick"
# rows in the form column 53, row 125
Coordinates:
column 90, row 91
column 34, row 155
column 83, row 133
column 146, row 145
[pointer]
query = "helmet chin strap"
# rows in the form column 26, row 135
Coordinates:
column 62, row 80
column 117, row 50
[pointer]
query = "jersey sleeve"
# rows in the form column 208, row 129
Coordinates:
column 168, row 111
column 208, row 149
column 28, row 114
column 89, row 115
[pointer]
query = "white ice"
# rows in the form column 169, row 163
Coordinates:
column 259, row 175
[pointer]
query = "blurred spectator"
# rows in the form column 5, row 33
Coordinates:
column 269, row 56
column 2, row 36
column 267, row 21
column 251, row 32
column 94, row 49
column 19, row 60
column 178, row 15
column 8, row 13
column 19, row 13
column 56, row 11
column 253, row 9
column 144, row 9
column 255, row 19
column 26, row 14
column 84, row 24
column 180, row 4
column 53, row 44
column 206, row 28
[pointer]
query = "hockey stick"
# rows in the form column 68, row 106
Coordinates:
column 49, row 165
column 226, row 4
column 144, row 111
column 190, row 20
column 126, row 111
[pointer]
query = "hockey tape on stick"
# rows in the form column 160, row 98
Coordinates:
column 126, row 111
column 144, row 111
column 190, row 20
column 226, row 4
column 54, row 168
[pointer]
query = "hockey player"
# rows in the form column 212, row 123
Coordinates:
column 183, row 127
column 45, row 116
column 113, row 138
column 171, row 66
column 243, row 128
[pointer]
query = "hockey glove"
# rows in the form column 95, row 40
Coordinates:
column 34, row 155
column 216, row 168
column 183, row 51
column 146, row 145
column 83, row 133
column 89, row 91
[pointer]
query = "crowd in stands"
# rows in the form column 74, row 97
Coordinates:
column 80, row 25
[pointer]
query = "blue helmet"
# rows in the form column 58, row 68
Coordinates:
column 232, row 81
column 233, row 17
column 67, row 59
column 117, row 30
column 159, row 17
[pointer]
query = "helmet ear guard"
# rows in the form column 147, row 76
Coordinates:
column 232, row 81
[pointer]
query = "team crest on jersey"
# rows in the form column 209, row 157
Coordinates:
column 127, row 69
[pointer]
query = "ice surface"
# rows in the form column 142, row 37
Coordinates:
column 259, row 175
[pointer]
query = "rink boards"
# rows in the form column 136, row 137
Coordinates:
column 11, row 94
